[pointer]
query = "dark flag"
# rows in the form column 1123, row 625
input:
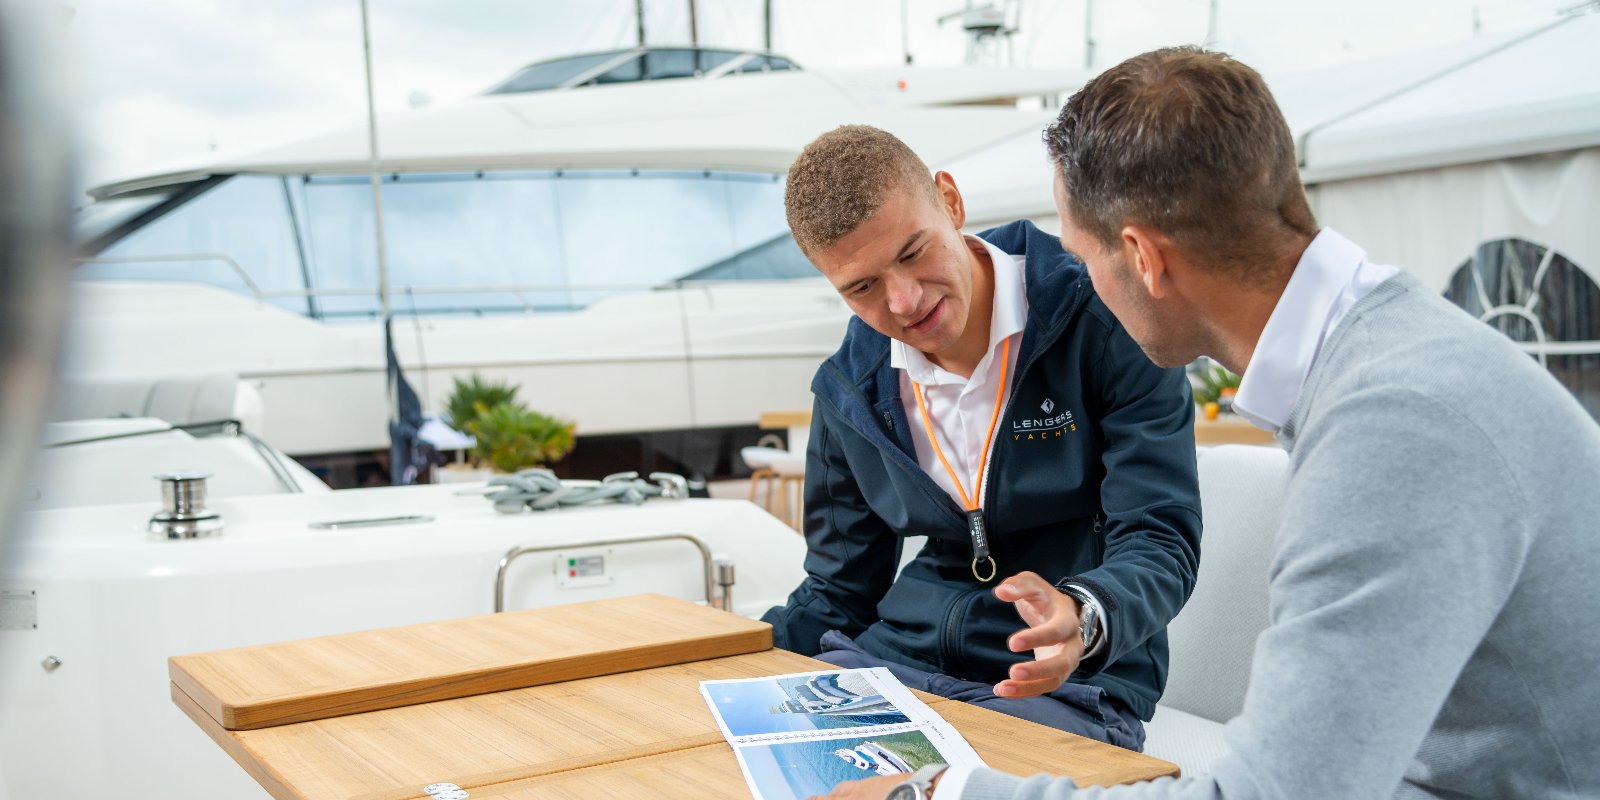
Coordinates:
column 408, row 455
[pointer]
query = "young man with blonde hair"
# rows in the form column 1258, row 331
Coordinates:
column 985, row 398
column 1432, row 591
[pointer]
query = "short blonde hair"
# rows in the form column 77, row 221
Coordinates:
column 843, row 178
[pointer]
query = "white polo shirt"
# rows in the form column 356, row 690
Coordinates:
column 958, row 407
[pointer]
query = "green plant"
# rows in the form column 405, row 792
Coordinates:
column 511, row 437
column 469, row 393
column 1213, row 380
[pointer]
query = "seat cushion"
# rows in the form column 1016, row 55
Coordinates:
column 1189, row 741
column 1213, row 640
column 761, row 457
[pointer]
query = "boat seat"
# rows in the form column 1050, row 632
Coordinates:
column 1189, row 741
column 1212, row 641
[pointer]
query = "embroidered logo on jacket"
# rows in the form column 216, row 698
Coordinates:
column 1048, row 427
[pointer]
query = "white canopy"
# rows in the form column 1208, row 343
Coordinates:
column 1489, row 98
column 1497, row 97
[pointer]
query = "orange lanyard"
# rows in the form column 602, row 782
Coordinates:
column 975, row 528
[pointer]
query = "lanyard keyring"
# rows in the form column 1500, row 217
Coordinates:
column 975, row 528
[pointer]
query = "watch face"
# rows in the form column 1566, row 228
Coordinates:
column 902, row 791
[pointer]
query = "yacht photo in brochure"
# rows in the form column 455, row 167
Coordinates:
column 800, row 735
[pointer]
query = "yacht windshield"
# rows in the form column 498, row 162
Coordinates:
column 550, row 74
column 661, row 64
column 649, row 64
column 465, row 242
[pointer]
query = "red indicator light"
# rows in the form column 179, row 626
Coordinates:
column 572, row 573
column 903, row 84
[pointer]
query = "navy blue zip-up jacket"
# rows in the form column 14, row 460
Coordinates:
column 1092, row 477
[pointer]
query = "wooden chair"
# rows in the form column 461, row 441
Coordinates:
column 763, row 474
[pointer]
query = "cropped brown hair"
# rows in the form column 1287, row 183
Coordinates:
column 1190, row 143
column 842, row 178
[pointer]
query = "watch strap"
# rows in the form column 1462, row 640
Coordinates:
column 919, row 785
column 1091, row 626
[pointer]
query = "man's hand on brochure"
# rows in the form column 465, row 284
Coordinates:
column 1053, row 635
column 869, row 788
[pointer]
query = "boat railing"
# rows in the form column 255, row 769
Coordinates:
column 223, row 257
column 517, row 552
column 521, row 290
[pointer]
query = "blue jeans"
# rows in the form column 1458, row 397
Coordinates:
column 1074, row 708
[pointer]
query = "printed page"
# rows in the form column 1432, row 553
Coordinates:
column 809, row 705
column 800, row 735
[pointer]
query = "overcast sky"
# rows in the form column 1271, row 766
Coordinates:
column 163, row 80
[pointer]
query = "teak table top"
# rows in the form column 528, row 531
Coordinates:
column 644, row 732
column 273, row 684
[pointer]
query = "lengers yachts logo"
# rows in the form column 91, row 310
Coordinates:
column 1047, row 427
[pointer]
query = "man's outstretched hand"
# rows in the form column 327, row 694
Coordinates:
column 1053, row 634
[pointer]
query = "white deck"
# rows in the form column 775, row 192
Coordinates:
column 113, row 604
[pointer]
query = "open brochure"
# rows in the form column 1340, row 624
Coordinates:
column 800, row 735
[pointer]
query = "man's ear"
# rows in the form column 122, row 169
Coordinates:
column 950, row 198
column 1142, row 250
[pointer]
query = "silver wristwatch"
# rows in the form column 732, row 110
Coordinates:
column 918, row 785
column 1088, row 618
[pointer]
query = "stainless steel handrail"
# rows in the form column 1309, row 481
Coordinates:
column 517, row 552
column 496, row 288
column 244, row 276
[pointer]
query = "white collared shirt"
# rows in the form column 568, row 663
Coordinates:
column 1332, row 276
column 960, row 408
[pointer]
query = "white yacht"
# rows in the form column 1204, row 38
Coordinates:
column 605, row 230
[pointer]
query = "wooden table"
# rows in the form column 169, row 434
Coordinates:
column 642, row 733
column 1230, row 430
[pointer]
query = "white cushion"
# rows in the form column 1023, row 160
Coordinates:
column 1189, row 741
column 1213, row 640
column 761, row 457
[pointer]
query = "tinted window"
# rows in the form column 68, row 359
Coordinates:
column 659, row 64
column 775, row 259
column 102, row 217
column 663, row 64
column 626, row 72
column 550, row 74
column 565, row 240
column 711, row 59
column 246, row 218
column 766, row 64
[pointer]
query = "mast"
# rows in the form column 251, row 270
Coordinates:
column 768, row 20
column 905, row 31
column 1088, row 35
column 377, row 193
column 694, row 31
column 638, row 14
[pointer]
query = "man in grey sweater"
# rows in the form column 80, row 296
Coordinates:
column 1434, row 587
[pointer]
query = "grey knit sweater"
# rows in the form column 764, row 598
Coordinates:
column 1435, row 591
